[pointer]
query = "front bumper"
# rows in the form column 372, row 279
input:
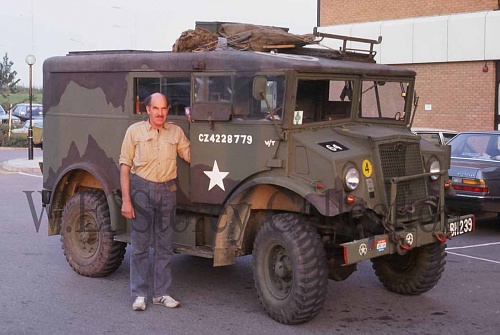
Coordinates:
column 384, row 244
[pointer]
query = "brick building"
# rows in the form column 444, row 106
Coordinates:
column 453, row 45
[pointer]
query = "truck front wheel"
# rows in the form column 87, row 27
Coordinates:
column 289, row 268
column 416, row 272
column 86, row 236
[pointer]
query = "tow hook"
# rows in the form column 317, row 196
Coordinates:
column 442, row 237
column 402, row 248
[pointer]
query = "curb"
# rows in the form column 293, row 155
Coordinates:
column 23, row 165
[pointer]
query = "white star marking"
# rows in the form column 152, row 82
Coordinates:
column 216, row 177
column 409, row 238
column 363, row 249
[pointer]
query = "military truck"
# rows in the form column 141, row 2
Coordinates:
column 300, row 156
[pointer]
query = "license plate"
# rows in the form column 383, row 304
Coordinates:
column 461, row 225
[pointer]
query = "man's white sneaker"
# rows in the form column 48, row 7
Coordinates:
column 166, row 301
column 139, row 304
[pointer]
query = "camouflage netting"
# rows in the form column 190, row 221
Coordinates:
column 191, row 40
column 241, row 37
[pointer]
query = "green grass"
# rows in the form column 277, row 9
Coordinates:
column 21, row 96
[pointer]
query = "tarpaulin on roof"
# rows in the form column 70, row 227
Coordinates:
column 239, row 36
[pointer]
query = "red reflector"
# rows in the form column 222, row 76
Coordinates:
column 350, row 199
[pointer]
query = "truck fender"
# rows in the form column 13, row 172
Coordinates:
column 86, row 175
column 264, row 193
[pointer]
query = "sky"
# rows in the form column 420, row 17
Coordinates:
column 47, row 28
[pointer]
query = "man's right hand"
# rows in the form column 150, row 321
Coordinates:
column 128, row 210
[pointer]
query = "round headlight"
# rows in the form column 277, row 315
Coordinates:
column 434, row 167
column 351, row 178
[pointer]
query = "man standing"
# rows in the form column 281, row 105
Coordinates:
column 148, row 169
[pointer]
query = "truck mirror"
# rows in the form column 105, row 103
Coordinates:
column 259, row 88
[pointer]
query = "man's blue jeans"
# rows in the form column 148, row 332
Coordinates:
column 154, row 205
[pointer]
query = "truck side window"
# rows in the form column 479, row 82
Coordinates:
column 213, row 89
column 339, row 100
column 324, row 100
column 177, row 91
column 246, row 107
column 275, row 96
column 144, row 87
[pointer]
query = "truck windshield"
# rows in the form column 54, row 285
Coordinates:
column 383, row 100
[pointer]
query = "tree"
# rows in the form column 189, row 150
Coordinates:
column 8, row 81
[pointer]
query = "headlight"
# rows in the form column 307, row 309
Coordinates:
column 351, row 177
column 434, row 167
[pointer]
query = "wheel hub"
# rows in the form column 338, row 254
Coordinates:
column 280, row 267
column 87, row 237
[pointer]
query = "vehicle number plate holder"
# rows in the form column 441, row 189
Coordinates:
column 461, row 224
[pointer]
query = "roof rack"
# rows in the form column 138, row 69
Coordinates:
column 344, row 52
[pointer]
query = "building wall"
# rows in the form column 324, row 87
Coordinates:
column 335, row 12
column 461, row 95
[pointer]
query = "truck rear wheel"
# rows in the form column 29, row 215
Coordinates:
column 86, row 236
column 416, row 272
column 289, row 269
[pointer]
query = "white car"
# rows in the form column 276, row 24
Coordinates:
column 24, row 129
column 435, row 135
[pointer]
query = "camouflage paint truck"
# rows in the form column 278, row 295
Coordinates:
column 302, row 158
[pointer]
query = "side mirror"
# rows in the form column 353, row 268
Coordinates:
column 259, row 88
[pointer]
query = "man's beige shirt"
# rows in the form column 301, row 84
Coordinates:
column 151, row 153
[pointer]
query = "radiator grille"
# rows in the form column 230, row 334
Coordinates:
column 403, row 159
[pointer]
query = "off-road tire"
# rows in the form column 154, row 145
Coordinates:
column 289, row 269
column 86, row 236
column 415, row 273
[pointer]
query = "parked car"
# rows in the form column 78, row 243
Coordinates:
column 435, row 135
column 4, row 117
column 475, row 173
column 22, row 111
column 38, row 135
column 37, row 132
